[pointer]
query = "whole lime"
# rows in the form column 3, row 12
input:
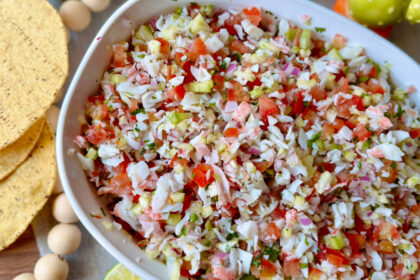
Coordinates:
column 377, row 13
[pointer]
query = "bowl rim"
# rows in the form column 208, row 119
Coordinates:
column 60, row 154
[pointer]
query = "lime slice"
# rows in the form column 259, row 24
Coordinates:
column 120, row 272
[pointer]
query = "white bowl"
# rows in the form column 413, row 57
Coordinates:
column 118, row 27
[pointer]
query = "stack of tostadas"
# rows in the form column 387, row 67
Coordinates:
column 33, row 68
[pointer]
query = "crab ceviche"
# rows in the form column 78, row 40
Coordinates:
column 236, row 145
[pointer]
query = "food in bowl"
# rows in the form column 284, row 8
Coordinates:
column 235, row 145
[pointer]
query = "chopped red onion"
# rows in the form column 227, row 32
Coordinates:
column 365, row 178
column 254, row 151
column 232, row 67
column 295, row 71
column 306, row 221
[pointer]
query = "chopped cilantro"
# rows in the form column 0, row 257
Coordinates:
column 388, row 115
column 320, row 29
column 314, row 138
column 272, row 253
column 223, row 65
column 138, row 111
column 367, row 143
column 231, row 236
column 256, row 261
column 393, row 165
column 248, row 277
column 399, row 112
column 364, row 79
column 237, row 56
column 303, row 265
column 103, row 212
column 193, row 175
column 359, row 165
column 305, row 103
column 142, row 55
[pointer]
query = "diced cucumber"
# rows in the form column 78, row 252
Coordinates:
column 144, row 33
column 173, row 219
column 291, row 34
column 335, row 54
column 256, row 92
column 136, row 209
column 204, row 87
column 305, row 39
column 178, row 197
column 335, row 242
column 118, row 79
column 92, row 154
column 176, row 117
column 199, row 24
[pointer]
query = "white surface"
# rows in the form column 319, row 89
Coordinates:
column 91, row 261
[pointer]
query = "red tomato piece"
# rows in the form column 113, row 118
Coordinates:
column 100, row 112
column 262, row 166
column 238, row 46
column 187, row 68
column 176, row 93
column 335, row 260
column 237, row 93
column 178, row 58
column 298, row 104
column 278, row 213
column 361, row 132
column 120, row 56
column 256, row 82
column 291, row 268
column 198, row 48
column 219, row 82
column 165, row 49
column 375, row 87
column 386, row 231
column 231, row 21
column 200, row 175
column 96, row 135
column 318, row 93
column 231, row 132
column 253, row 14
column 267, row 106
column 327, row 131
column 272, row 232
column 356, row 241
column 415, row 133
column 386, row 247
column 120, row 184
column 268, row 269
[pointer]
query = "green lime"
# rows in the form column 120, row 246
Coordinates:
column 120, row 272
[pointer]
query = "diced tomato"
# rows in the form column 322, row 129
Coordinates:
column 238, row 46
column 272, row 232
column 267, row 106
column 219, row 82
column 268, row 269
column 342, row 85
column 361, row 132
column 230, row 23
column 339, row 41
column 231, row 132
column 386, row 231
column 256, row 82
column 262, row 166
column 327, row 131
column 298, row 104
column 344, row 105
column 176, row 93
column 100, row 112
column 278, row 213
column 318, row 93
column 335, row 260
column 198, row 48
column 165, row 49
column 291, row 268
column 185, row 269
column 375, row 87
column 344, row 259
column 253, row 14
column 415, row 133
column 203, row 175
column 178, row 160
column 386, row 247
column 328, row 166
column 193, row 9
column 120, row 184
column 96, row 135
column 120, row 56
column 308, row 114
column 178, row 58
column 415, row 209
column 372, row 72
column 98, row 99
column 338, row 124
column 187, row 68
column 237, row 93
column 315, row 274
column 356, row 241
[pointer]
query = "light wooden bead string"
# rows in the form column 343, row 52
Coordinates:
column 64, row 238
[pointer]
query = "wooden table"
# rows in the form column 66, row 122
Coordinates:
column 20, row 257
